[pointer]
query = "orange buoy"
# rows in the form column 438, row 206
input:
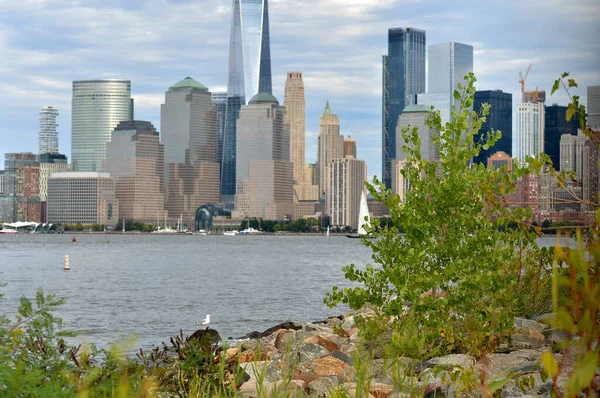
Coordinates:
column 73, row 239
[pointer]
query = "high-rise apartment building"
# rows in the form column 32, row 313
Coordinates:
column 555, row 126
column 21, row 201
column 264, row 171
column 48, row 136
column 219, row 99
column 349, row 147
column 135, row 160
column 593, row 106
column 403, row 78
column 249, row 74
column 499, row 119
column 98, row 106
column 82, row 198
column 296, row 117
column 188, row 123
column 571, row 153
column 591, row 172
column 447, row 65
column 49, row 163
column 416, row 116
column 528, row 139
column 330, row 145
column 346, row 182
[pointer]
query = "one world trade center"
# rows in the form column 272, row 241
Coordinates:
column 249, row 74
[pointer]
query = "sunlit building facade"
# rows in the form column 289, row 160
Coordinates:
column 528, row 139
column 416, row 116
column 48, row 136
column 98, row 106
column 403, row 78
column 21, row 201
column 346, row 182
column 249, row 74
column 330, row 145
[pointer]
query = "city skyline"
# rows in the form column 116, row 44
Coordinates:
column 345, row 68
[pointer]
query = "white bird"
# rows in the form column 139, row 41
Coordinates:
column 206, row 320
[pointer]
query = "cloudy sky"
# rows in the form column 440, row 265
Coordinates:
column 338, row 44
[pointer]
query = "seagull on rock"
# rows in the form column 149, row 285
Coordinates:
column 206, row 321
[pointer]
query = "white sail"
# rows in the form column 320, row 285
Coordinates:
column 363, row 212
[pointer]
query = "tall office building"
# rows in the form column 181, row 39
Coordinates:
column 188, row 124
column 330, row 145
column 264, row 171
column 2, row 184
column 219, row 99
column 49, row 163
column 591, row 172
column 346, row 182
column 555, row 126
column 135, row 159
column 349, row 147
column 296, row 117
column 447, row 65
column 416, row 116
column 528, row 138
column 249, row 74
column 48, row 136
column 499, row 119
column 571, row 153
column 21, row 201
column 593, row 106
column 499, row 160
column 82, row 198
column 403, row 78
column 98, row 106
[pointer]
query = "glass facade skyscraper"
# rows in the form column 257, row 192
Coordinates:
column 48, row 137
column 219, row 99
column 249, row 74
column 557, row 125
column 98, row 106
column 403, row 79
column 499, row 118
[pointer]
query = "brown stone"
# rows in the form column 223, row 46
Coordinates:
column 232, row 354
column 324, row 342
column 283, row 337
column 379, row 390
column 251, row 356
column 326, row 366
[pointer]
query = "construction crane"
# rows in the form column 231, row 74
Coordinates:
column 523, row 79
column 534, row 96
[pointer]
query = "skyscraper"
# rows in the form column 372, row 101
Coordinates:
column 296, row 118
column 403, row 79
column 593, row 106
column 249, row 74
column 264, row 171
column 135, row 159
column 98, row 106
column 556, row 125
column 349, row 147
column 346, row 182
column 188, row 124
column 220, row 101
column 571, row 153
column 447, row 65
column 330, row 146
column 21, row 201
column 416, row 116
column 499, row 119
column 48, row 137
column 529, row 136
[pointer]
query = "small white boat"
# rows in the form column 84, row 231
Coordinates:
column 8, row 232
column 250, row 231
column 230, row 233
column 201, row 232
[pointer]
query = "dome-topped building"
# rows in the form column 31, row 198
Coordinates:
column 263, row 98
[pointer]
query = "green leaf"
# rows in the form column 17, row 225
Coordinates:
column 565, row 74
column 550, row 365
column 572, row 83
column 497, row 385
column 556, row 86
column 456, row 95
column 571, row 110
column 585, row 372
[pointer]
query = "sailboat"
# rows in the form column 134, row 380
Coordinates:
column 362, row 213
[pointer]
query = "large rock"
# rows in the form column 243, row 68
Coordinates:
column 206, row 337
column 327, row 366
column 352, row 391
column 452, row 360
column 305, row 352
column 522, row 323
column 284, row 339
column 517, row 361
column 271, row 330
column 324, row 342
column 318, row 327
column 320, row 387
column 251, row 388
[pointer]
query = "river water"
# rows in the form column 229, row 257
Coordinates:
column 150, row 286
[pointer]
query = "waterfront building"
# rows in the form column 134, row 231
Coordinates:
column 349, row 147
column 2, row 184
column 403, row 77
column 219, row 99
column 135, row 160
column 593, row 106
column 82, row 198
column 556, row 125
column 345, row 184
column 528, row 137
column 571, row 153
column 416, row 116
column 499, row 119
column 499, row 160
column 49, row 163
column 330, row 145
column 249, row 74
column 98, row 106
column 21, row 201
column 264, row 172
column 591, row 173
column 447, row 65
column 48, row 136
column 189, row 135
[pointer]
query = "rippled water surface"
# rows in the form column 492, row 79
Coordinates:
column 152, row 286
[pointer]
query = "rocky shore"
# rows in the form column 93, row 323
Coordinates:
column 310, row 359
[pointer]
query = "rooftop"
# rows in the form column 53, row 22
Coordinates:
column 263, row 98
column 188, row 82
column 417, row 108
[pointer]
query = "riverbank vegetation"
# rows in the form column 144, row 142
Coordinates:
column 462, row 282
